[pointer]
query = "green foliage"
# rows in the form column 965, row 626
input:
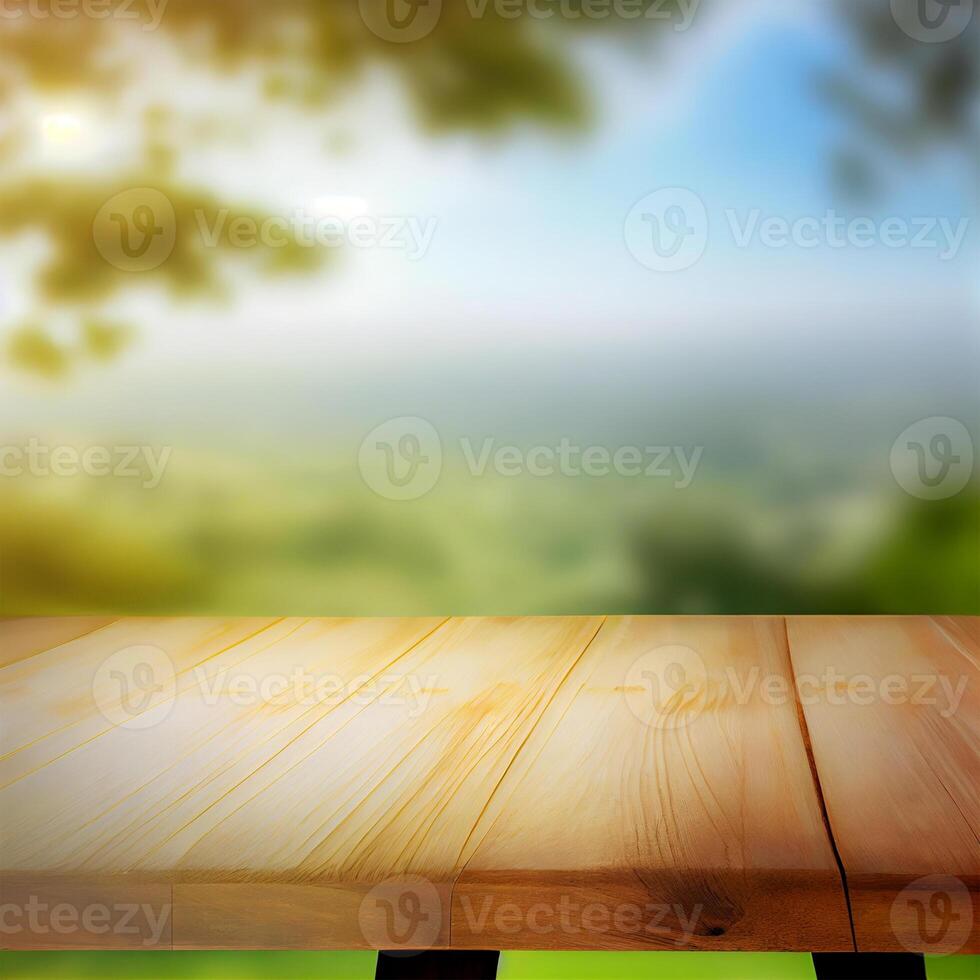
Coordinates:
column 104, row 341
column 718, row 558
column 75, row 272
column 909, row 97
column 221, row 535
column 469, row 73
column 933, row 563
column 475, row 74
column 62, row 555
column 75, row 277
column 30, row 348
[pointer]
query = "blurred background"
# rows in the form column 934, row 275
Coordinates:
column 515, row 147
column 738, row 240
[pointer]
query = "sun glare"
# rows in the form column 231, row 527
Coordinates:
column 62, row 129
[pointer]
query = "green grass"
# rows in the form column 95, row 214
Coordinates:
column 360, row 966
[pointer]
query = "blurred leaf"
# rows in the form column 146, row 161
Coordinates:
column 77, row 271
column 933, row 89
column 33, row 350
column 104, row 341
column 469, row 72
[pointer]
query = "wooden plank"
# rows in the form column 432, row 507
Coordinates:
column 49, row 709
column 284, row 824
column 378, row 800
column 136, row 784
column 58, row 700
column 893, row 710
column 23, row 638
column 79, row 824
column 664, row 801
column 964, row 631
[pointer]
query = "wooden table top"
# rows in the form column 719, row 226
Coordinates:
column 713, row 783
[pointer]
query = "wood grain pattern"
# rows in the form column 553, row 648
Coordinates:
column 691, row 800
column 236, row 802
column 964, row 631
column 387, row 788
column 48, row 701
column 23, row 638
column 893, row 709
column 523, row 783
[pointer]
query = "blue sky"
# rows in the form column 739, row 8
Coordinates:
column 531, row 234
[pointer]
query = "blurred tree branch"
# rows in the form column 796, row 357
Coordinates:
column 932, row 99
column 471, row 74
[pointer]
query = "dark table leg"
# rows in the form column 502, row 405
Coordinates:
column 448, row 964
column 869, row 966
column 438, row 964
